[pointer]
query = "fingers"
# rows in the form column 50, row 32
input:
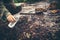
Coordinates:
column 11, row 18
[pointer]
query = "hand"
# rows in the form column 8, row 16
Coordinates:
column 11, row 18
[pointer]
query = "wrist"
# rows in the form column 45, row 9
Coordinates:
column 8, row 14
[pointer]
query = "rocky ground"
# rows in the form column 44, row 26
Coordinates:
column 33, row 27
column 40, row 27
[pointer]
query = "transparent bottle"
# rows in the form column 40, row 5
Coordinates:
column 12, row 24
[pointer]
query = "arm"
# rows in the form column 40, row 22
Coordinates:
column 7, row 16
column 6, row 13
column 11, row 7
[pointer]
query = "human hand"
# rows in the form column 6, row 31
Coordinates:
column 11, row 18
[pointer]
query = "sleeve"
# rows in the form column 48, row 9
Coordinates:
column 13, row 9
column 5, row 14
